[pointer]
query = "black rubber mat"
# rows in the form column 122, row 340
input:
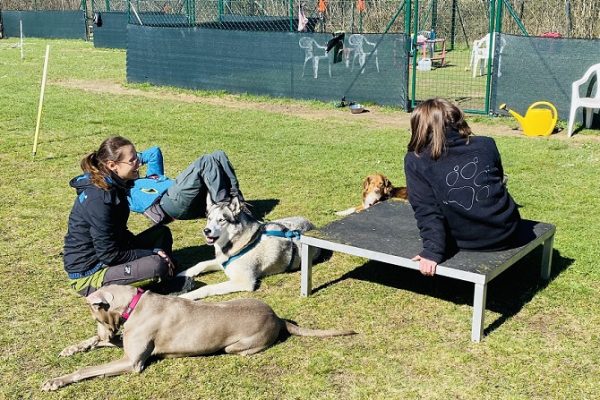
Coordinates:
column 390, row 228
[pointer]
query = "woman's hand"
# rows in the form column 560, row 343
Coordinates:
column 427, row 267
column 168, row 260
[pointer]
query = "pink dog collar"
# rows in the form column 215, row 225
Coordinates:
column 132, row 304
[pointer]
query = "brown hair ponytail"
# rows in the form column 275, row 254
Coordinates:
column 94, row 163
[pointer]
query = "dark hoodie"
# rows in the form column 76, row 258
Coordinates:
column 460, row 199
column 97, row 235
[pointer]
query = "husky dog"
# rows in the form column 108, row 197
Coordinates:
column 246, row 249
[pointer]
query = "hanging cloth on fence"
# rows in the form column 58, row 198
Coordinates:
column 337, row 44
column 361, row 5
column 97, row 19
column 302, row 20
column 322, row 6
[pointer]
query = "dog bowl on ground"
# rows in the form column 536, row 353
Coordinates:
column 356, row 108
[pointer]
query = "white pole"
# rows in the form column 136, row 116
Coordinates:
column 39, row 114
column 136, row 14
column 21, row 42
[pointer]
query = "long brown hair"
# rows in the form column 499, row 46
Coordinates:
column 95, row 162
column 430, row 122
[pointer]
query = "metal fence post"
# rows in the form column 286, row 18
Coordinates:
column 191, row 10
column 492, row 14
column 513, row 14
column 453, row 25
column 221, row 10
column 292, row 15
column 413, row 50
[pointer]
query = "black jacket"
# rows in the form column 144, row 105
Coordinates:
column 97, row 235
column 460, row 199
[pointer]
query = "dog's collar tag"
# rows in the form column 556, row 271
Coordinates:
column 132, row 304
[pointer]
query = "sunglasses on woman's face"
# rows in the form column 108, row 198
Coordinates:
column 132, row 163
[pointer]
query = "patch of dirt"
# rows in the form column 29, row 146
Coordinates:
column 375, row 115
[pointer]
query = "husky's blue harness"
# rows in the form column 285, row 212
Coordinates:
column 283, row 233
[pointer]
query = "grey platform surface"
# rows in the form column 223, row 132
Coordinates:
column 390, row 228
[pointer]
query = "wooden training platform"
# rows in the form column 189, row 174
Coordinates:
column 388, row 232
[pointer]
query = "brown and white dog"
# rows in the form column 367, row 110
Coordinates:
column 376, row 188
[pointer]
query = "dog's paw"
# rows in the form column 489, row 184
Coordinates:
column 69, row 351
column 346, row 212
column 193, row 295
column 53, row 384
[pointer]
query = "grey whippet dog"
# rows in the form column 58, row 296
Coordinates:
column 168, row 326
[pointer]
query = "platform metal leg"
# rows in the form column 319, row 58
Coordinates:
column 547, row 257
column 305, row 270
column 478, row 311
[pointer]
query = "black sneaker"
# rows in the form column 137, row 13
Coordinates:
column 157, row 215
column 174, row 286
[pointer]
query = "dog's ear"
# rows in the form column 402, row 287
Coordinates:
column 387, row 186
column 209, row 202
column 235, row 206
column 100, row 299
column 366, row 182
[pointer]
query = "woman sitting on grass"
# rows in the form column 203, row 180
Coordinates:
column 99, row 248
column 455, row 185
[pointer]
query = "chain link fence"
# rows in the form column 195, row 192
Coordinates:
column 271, row 15
column 570, row 18
column 110, row 5
column 461, row 20
column 42, row 5
column 455, row 36
column 442, row 65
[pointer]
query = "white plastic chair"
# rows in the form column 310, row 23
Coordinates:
column 357, row 42
column 479, row 54
column 309, row 45
column 588, row 103
column 481, row 51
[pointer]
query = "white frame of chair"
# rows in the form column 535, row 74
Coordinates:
column 589, row 104
column 308, row 43
column 356, row 42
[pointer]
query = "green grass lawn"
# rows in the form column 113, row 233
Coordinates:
column 414, row 332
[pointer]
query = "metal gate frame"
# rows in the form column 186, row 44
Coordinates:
column 495, row 8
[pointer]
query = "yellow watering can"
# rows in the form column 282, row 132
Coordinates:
column 539, row 120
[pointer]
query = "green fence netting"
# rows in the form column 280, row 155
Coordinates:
column 64, row 19
column 531, row 69
column 249, row 46
column 110, row 29
column 48, row 24
column 273, row 63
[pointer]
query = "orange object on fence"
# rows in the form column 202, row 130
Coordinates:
column 361, row 5
column 322, row 6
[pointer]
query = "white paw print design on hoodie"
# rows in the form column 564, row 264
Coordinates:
column 467, row 184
